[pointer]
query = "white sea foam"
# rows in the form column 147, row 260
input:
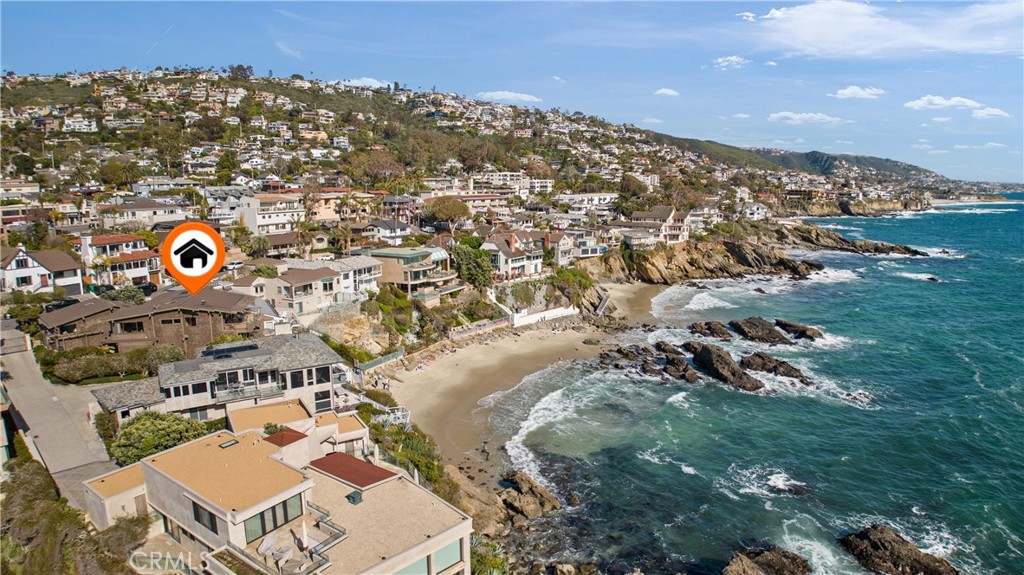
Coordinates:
column 832, row 276
column 981, row 211
column 840, row 228
column 554, row 407
column 680, row 401
column 759, row 481
column 927, row 532
column 656, row 456
column 806, row 537
column 703, row 301
column 920, row 277
column 941, row 253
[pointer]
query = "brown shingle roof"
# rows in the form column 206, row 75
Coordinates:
column 357, row 473
column 285, row 437
column 54, row 260
column 207, row 300
column 75, row 312
column 296, row 277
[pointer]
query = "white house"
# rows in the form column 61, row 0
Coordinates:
column 270, row 213
column 391, row 232
column 39, row 271
column 755, row 212
column 118, row 259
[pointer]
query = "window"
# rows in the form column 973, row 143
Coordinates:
column 125, row 414
column 417, row 568
column 198, row 388
column 170, row 321
column 322, row 401
column 296, row 379
column 323, row 374
column 23, row 281
column 274, row 517
column 130, row 326
column 197, row 413
column 204, row 517
column 190, row 320
column 447, row 556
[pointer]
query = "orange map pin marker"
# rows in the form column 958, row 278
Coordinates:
column 193, row 254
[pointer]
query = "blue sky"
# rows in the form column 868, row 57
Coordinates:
column 937, row 84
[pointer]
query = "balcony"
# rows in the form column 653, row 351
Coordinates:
column 247, row 392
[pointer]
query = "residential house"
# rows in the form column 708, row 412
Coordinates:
column 703, row 217
column 357, row 275
column 755, row 212
column 83, row 324
column 270, row 213
column 38, row 271
column 144, row 211
column 514, row 254
column 423, row 273
column 664, row 222
column 187, row 321
column 586, row 243
column 118, row 259
column 391, row 232
column 327, row 513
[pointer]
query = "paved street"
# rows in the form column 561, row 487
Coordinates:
column 56, row 416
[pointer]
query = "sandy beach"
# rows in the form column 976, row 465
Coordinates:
column 444, row 395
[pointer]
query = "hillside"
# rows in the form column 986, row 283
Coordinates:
column 827, row 164
column 717, row 153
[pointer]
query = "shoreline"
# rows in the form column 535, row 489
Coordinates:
column 444, row 391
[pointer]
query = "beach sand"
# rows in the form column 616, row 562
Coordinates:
column 444, row 395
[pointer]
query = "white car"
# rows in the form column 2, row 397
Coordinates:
column 232, row 266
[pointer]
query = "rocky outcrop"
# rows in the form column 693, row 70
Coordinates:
column 814, row 238
column 798, row 330
column 769, row 561
column 719, row 364
column 882, row 550
column 526, row 497
column 490, row 516
column 761, row 361
column 693, row 259
column 715, row 329
column 676, row 366
column 759, row 329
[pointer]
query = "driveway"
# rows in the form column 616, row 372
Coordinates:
column 56, row 418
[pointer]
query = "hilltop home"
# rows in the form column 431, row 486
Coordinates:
column 665, row 222
column 79, row 325
column 310, row 511
column 144, row 211
column 514, row 254
column 113, row 257
column 423, row 273
column 39, row 271
column 391, row 232
column 270, row 213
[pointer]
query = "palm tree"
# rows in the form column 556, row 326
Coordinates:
column 128, row 174
column 81, row 175
column 257, row 247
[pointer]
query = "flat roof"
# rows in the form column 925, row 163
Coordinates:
column 256, row 417
column 355, row 472
column 392, row 517
column 233, row 472
column 117, row 481
column 345, row 422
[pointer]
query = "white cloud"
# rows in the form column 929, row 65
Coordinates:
column 741, row 115
column 558, row 79
column 846, row 29
column 730, row 62
column 507, row 96
column 789, row 142
column 366, row 83
column 803, row 118
column 934, row 152
column 960, row 147
column 770, row 63
column 288, row 50
column 665, row 92
column 933, row 102
column 869, row 93
column 748, row 16
column 921, row 146
column 651, row 121
column 844, row 141
column 992, row 146
column 941, row 119
column 986, row 113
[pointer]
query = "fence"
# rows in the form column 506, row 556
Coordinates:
column 363, row 366
column 475, row 328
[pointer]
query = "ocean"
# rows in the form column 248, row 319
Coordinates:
column 916, row 421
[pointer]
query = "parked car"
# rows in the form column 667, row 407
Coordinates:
column 148, row 288
column 59, row 304
column 102, row 289
column 232, row 266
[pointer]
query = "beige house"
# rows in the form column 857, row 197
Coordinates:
column 279, row 505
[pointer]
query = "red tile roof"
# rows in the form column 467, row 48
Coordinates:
column 110, row 239
column 353, row 471
column 285, row 437
column 135, row 256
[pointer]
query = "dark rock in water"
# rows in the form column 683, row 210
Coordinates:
column 760, row 291
column 714, row 329
column 720, row 365
column 761, row 361
column 798, row 330
column 677, row 367
column 932, row 279
column 666, row 347
column 759, row 329
column 588, row 569
column 618, row 406
column 772, row 560
column 527, row 497
column 573, row 499
column 580, row 328
column 591, row 341
column 880, row 549
column 651, row 368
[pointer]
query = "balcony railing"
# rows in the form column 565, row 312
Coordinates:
column 248, row 392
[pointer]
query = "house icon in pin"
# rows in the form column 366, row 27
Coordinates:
column 190, row 252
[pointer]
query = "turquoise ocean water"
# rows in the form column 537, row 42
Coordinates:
column 679, row 476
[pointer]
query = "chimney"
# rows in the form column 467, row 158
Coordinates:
column 512, row 241
column 547, row 240
column 87, row 255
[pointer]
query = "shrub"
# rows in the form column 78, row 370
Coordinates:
column 127, row 294
column 382, row 397
column 272, row 428
column 265, row 270
column 151, row 432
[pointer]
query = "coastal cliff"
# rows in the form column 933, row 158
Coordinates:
column 864, row 208
column 759, row 251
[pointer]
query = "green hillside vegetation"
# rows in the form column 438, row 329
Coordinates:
column 825, row 164
column 714, row 151
column 44, row 93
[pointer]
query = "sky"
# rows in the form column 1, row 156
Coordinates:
column 936, row 84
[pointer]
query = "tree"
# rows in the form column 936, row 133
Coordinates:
column 150, row 432
column 449, row 209
column 128, row 174
column 161, row 354
column 473, row 266
column 228, row 161
column 24, row 165
column 240, row 72
column 257, row 247
column 127, row 294
column 149, row 238
column 264, row 271
column 209, row 128
column 196, row 198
